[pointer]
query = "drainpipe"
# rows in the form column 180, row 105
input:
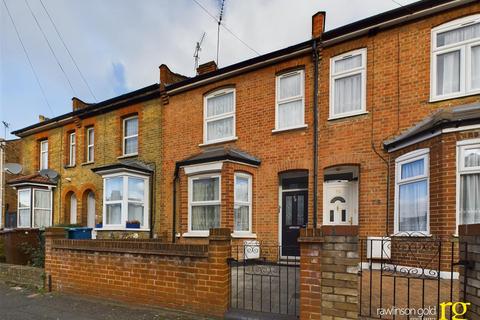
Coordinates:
column 152, row 203
column 174, row 215
column 315, row 132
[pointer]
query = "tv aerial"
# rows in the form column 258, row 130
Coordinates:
column 198, row 48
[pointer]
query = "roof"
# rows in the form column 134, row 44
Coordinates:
column 126, row 165
column 35, row 178
column 441, row 119
column 220, row 154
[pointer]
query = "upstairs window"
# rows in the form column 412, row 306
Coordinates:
column 130, row 136
column 469, row 182
column 412, row 192
column 456, row 58
column 204, row 203
column 43, row 154
column 219, row 116
column 90, row 143
column 290, row 109
column 348, row 84
column 72, row 149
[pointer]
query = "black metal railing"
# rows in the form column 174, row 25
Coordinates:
column 264, row 279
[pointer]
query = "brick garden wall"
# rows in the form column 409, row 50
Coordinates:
column 185, row 277
column 470, row 240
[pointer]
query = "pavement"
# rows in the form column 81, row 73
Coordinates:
column 18, row 303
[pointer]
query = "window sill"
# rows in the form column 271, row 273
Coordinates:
column 87, row 163
column 196, row 234
column 456, row 96
column 343, row 116
column 128, row 156
column 121, row 229
column 218, row 142
column 69, row 166
column 411, row 234
column 244, row 235
column 303, row 126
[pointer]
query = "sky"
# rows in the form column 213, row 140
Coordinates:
column 119, row 44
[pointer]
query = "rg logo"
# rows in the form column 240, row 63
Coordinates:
column 456, row 313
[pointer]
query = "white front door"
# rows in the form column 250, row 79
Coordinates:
column 340, row 203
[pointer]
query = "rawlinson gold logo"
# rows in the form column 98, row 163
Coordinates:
column 458, row 310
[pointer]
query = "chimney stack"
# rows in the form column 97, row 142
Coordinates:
column 78, row 104
column 207, row 67
column 168, row 77
column 318, row 24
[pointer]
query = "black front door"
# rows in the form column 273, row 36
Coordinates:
column 294, row 217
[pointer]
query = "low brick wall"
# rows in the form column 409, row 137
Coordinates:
column 470, row 251
column 22, row 275
column 328, row 273
column 185, row 277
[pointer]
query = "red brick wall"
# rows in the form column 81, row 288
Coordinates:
column 185, row 277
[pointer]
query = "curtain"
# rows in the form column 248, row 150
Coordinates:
column 131, row 145
column 131, row 127
column 470, row 198
column 206, row 189
column 135, row 212
column 348, row 63
column 348, row 94
column 42, row 205
column 24, row 217
column 413, row 206
column 290, row 114
column 448, row 72
column 114, row 213
column 476, row 67
column 220, row 104
column 290, row 86
column 472, row 158
column 241, row 218
column 458, row 35
column 413, row 169
column 219, row 129
column 205, row 217
column 114, row 188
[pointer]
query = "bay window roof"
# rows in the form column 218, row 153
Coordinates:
column 31, row 179
column 125, row 165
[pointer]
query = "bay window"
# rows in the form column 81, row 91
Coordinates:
column 468, row 180
column 38, row 215
column 24, row 208
column 219, row 116
column 456, row 58
column 204, row 203
column 125, row 199
column 242, row 203
column 412, row 192
column 130, row 136
column 290, row 106
column 348, row 84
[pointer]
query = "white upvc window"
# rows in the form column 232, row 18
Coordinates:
column 242, row 221
column 455, row 62
column 90, row 135
column 36, row 211
column 43, row 154
column 130, row 136
column 348, row 84
column 125, row 198
column 290, row 101
column 219, row 116
column 468, row 181
column 204, row 199
column 72, row 149
column 24, row 206
column 412, row 193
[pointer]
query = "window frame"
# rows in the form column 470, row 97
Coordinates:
column 465, row 58
column 399, row 162
column 334, row 76
column 72, row 149
column 203, row 233
column 242, row 203
column 29, row 190
column 125, row 137
column 90, row 144
column 42, row 165
column 279, row 101
column 462, row 170
column 124, row 202
column 231, row 114
column 33, row 208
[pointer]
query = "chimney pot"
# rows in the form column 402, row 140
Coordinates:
column 318, row 24
column 207, row 67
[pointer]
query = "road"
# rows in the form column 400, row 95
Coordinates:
column 22, row 304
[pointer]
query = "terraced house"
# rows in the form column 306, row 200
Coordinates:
column 374, row 124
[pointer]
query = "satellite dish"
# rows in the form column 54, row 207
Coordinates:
column 49, row 173
column 13, row 168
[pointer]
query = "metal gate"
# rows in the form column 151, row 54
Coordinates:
column 409, row 276
column 264, row 281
